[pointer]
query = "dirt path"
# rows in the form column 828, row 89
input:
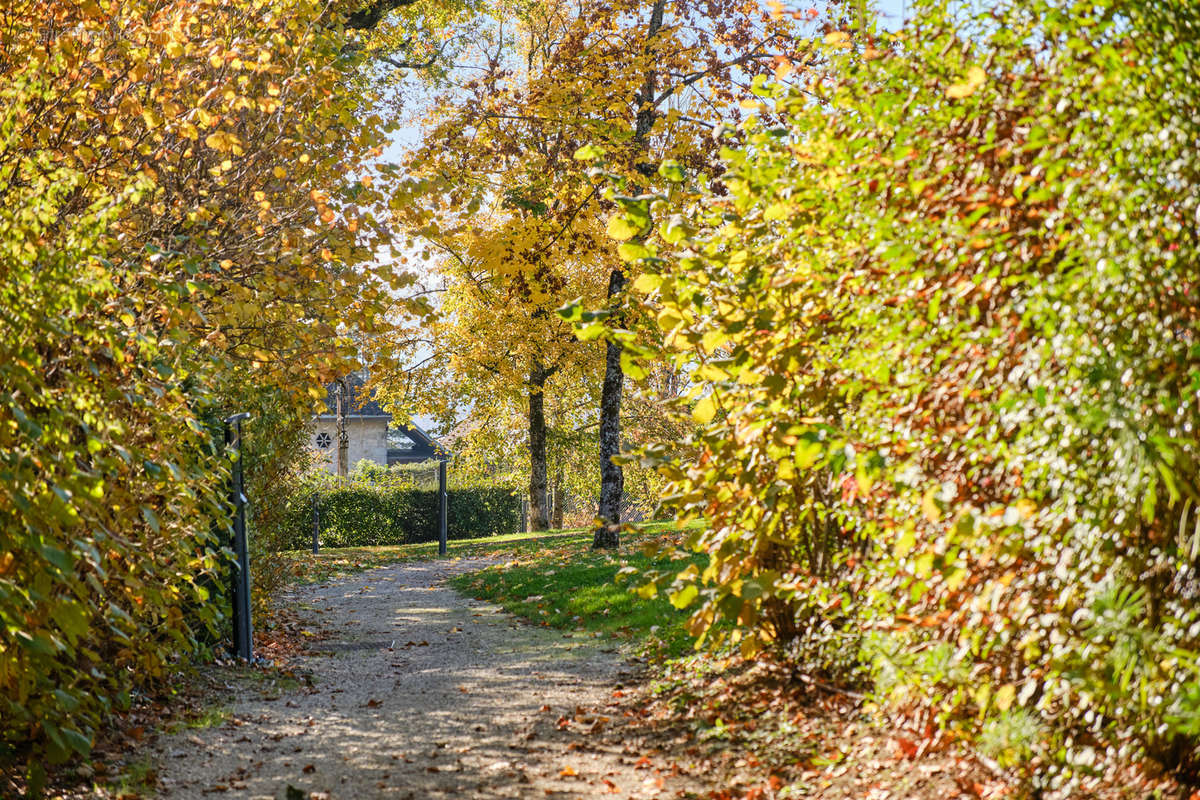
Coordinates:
column 419, row 692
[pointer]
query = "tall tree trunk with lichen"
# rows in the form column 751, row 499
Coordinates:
column 343, row 435
column 539, row 507
column 612, row 480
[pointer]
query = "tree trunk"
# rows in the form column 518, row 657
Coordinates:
column 539, row 511
column 612, row 480
column 343, row 436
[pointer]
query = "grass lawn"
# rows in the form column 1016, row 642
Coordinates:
column 565, row 584
column 553, row 578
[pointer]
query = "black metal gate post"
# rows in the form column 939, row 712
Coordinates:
column 443, row 502
column 316, row 522
column 240, row 569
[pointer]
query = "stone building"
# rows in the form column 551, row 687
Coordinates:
column 370, row 431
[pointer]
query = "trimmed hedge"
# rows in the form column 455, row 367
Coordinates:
column 361, row 515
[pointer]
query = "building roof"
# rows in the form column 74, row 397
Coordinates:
column 362, row 404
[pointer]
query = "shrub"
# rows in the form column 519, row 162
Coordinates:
column 944, row 323
column 158, row 265
column 358, row 514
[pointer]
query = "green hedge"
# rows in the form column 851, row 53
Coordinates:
column 360, row 515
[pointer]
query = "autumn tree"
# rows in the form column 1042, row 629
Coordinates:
column 497, row 349
column 638, row 82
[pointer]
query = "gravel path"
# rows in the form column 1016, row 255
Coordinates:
column 419, row 692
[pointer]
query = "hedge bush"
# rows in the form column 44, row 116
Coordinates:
column 362, row 514
column 948, row 365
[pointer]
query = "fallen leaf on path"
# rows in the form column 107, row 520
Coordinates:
column 567, row 772
column 308, row 769
column 907, row 747
column 373, row 703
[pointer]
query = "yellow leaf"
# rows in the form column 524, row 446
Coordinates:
column 669, row 319
column 777, row 211
column 705, row 409
column 975, row 79
column 929, row 506
column 837, row 37
column 1005, row 696
column 622, row 228
column 279, row 172
column 647, row 282
column 713, row 339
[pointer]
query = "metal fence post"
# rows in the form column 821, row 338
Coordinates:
column 316, row 515
column 443, row 503
column 240, row 569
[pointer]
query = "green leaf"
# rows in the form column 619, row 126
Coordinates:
column 572, row 311
column 672, row 170
column 631, row 367
column 589, row 152
column 590, row 332
column 634, row 251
